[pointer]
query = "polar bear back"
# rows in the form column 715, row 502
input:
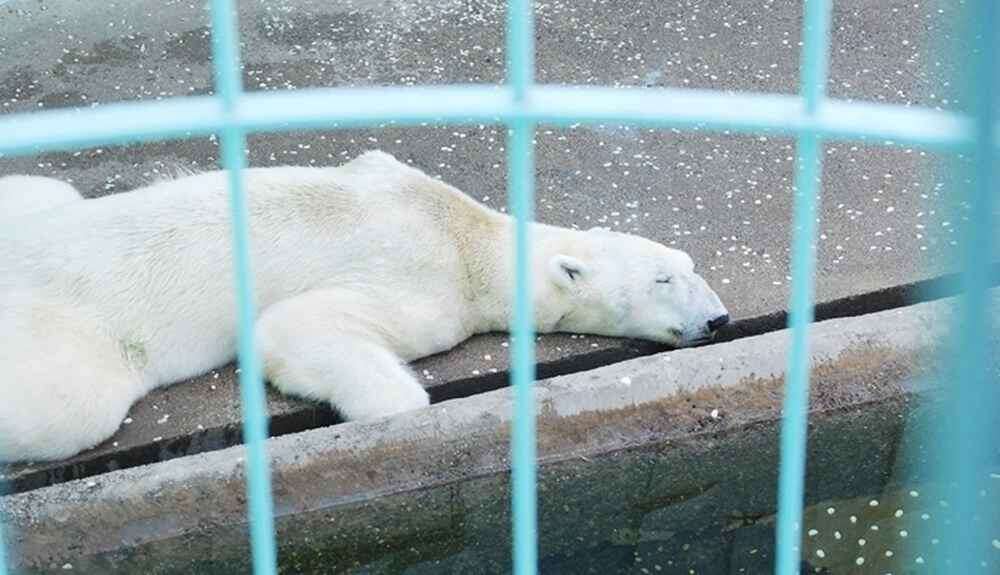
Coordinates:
column 156, row 263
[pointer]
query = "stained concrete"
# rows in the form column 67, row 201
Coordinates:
column 724, row 198
column 678, row 426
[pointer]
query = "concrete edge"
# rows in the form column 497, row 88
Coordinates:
column 151, row 438
column 686, row 392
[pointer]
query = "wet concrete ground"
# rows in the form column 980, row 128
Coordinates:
column 726, row 199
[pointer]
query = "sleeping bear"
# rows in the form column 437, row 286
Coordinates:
column 358, row 270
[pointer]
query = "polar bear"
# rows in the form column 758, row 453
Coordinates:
column 358, row 269
column 24, row 195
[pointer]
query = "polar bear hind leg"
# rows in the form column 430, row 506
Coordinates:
column 317, row 345
column 67, row 385
column 23, row 195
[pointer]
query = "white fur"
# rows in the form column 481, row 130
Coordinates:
column 24, row 195
column 358, row 270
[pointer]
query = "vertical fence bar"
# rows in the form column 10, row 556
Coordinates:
column 520, row 47
column 791, row 480
column 3, row 551
column 225, row 46
column 965, row 438
column 521, row 197
column 520, row 162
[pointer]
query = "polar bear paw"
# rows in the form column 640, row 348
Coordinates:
column 384, row 395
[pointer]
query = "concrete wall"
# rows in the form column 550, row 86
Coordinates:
column 671, row 448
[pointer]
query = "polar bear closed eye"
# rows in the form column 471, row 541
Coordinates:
column 359, row 269
column 627, row 286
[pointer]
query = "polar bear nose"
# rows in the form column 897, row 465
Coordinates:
column 715, row 324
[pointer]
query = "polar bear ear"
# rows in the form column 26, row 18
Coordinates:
column 566, row 271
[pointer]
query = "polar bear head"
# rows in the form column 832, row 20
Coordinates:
column 621, row 285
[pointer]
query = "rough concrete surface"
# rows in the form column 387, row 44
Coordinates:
column 687, row 397
column 724, row 198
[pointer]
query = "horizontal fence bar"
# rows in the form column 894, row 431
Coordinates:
column 326, row 108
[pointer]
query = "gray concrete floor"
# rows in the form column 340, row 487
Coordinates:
column 724, row 198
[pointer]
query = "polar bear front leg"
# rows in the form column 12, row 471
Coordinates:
column 320, row 345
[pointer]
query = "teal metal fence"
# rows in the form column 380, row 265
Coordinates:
column 521, row 105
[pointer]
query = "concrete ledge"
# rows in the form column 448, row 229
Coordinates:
column 359, row 476
column 203, row 414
